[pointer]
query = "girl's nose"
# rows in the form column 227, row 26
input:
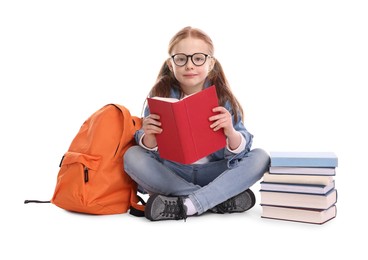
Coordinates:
column 189, row 65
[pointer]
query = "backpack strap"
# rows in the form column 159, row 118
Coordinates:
column 137, row 204
column 37, row 201
column 136, row 209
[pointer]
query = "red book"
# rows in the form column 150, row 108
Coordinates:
column 187, row 136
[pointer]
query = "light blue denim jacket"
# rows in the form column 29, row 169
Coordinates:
column 220, row 154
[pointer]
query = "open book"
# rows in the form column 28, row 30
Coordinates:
column 187, row 136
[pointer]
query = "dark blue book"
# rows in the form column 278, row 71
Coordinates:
column 304, row 159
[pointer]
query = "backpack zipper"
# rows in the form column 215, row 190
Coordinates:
column 85, row 174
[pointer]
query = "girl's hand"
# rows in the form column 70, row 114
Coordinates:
column 223, row 120
column 151, row 126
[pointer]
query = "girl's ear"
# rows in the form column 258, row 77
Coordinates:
column 212, row 64
column 169, row 65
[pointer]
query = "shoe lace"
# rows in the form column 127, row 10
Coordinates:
column 226, row 206
column 174, row 209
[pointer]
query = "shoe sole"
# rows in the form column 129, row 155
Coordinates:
column 253, row 198
column 148, row 207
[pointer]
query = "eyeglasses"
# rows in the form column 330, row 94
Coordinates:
column 198, row 59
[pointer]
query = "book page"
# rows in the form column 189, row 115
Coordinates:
column 166, row 99
column 171, row 100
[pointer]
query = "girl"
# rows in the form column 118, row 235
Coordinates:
column 217, row 183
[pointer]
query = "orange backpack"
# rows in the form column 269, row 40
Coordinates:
column 91, row 178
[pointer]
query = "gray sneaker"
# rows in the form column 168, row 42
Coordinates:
column 238, row 203
column 159, row 207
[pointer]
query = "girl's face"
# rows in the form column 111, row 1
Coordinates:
column 190, row 76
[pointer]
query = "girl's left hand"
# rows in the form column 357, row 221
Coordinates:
column 222, row 120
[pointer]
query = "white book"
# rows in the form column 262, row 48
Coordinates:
column 313, row 216
column 303, row 170
column 298, row 200
column 301, row 179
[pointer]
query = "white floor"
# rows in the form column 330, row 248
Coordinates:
column 44, row 231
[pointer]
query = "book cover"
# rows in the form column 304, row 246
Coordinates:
column 303, row 170
column 301, row 179
column 312, row 216
column 298, row 188
column 299, row 200
column 304, row 159
column 187, row 136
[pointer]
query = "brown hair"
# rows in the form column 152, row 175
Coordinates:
column 166, row 80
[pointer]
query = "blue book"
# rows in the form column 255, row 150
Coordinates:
column 304, row 159
column 297, row 187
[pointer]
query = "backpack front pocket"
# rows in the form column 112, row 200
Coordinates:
column 76, row 170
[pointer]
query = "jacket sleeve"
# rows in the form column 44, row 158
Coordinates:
column 138, row 134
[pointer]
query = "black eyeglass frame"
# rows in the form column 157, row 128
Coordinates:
column 191, row 58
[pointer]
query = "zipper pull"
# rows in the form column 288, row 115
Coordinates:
column 85, row 174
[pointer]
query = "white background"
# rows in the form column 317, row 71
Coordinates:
column 299, row 68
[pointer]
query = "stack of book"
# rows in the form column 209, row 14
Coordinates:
column 300, row 186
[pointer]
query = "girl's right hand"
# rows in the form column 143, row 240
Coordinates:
column 151, row 126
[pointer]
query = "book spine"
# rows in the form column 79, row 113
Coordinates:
column 297, row 187
column 304, row 162
column 300, row 179
column 299, row 214
column 302, row 200
column 331, row 171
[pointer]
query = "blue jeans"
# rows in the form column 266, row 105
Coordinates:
column 206, row 185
